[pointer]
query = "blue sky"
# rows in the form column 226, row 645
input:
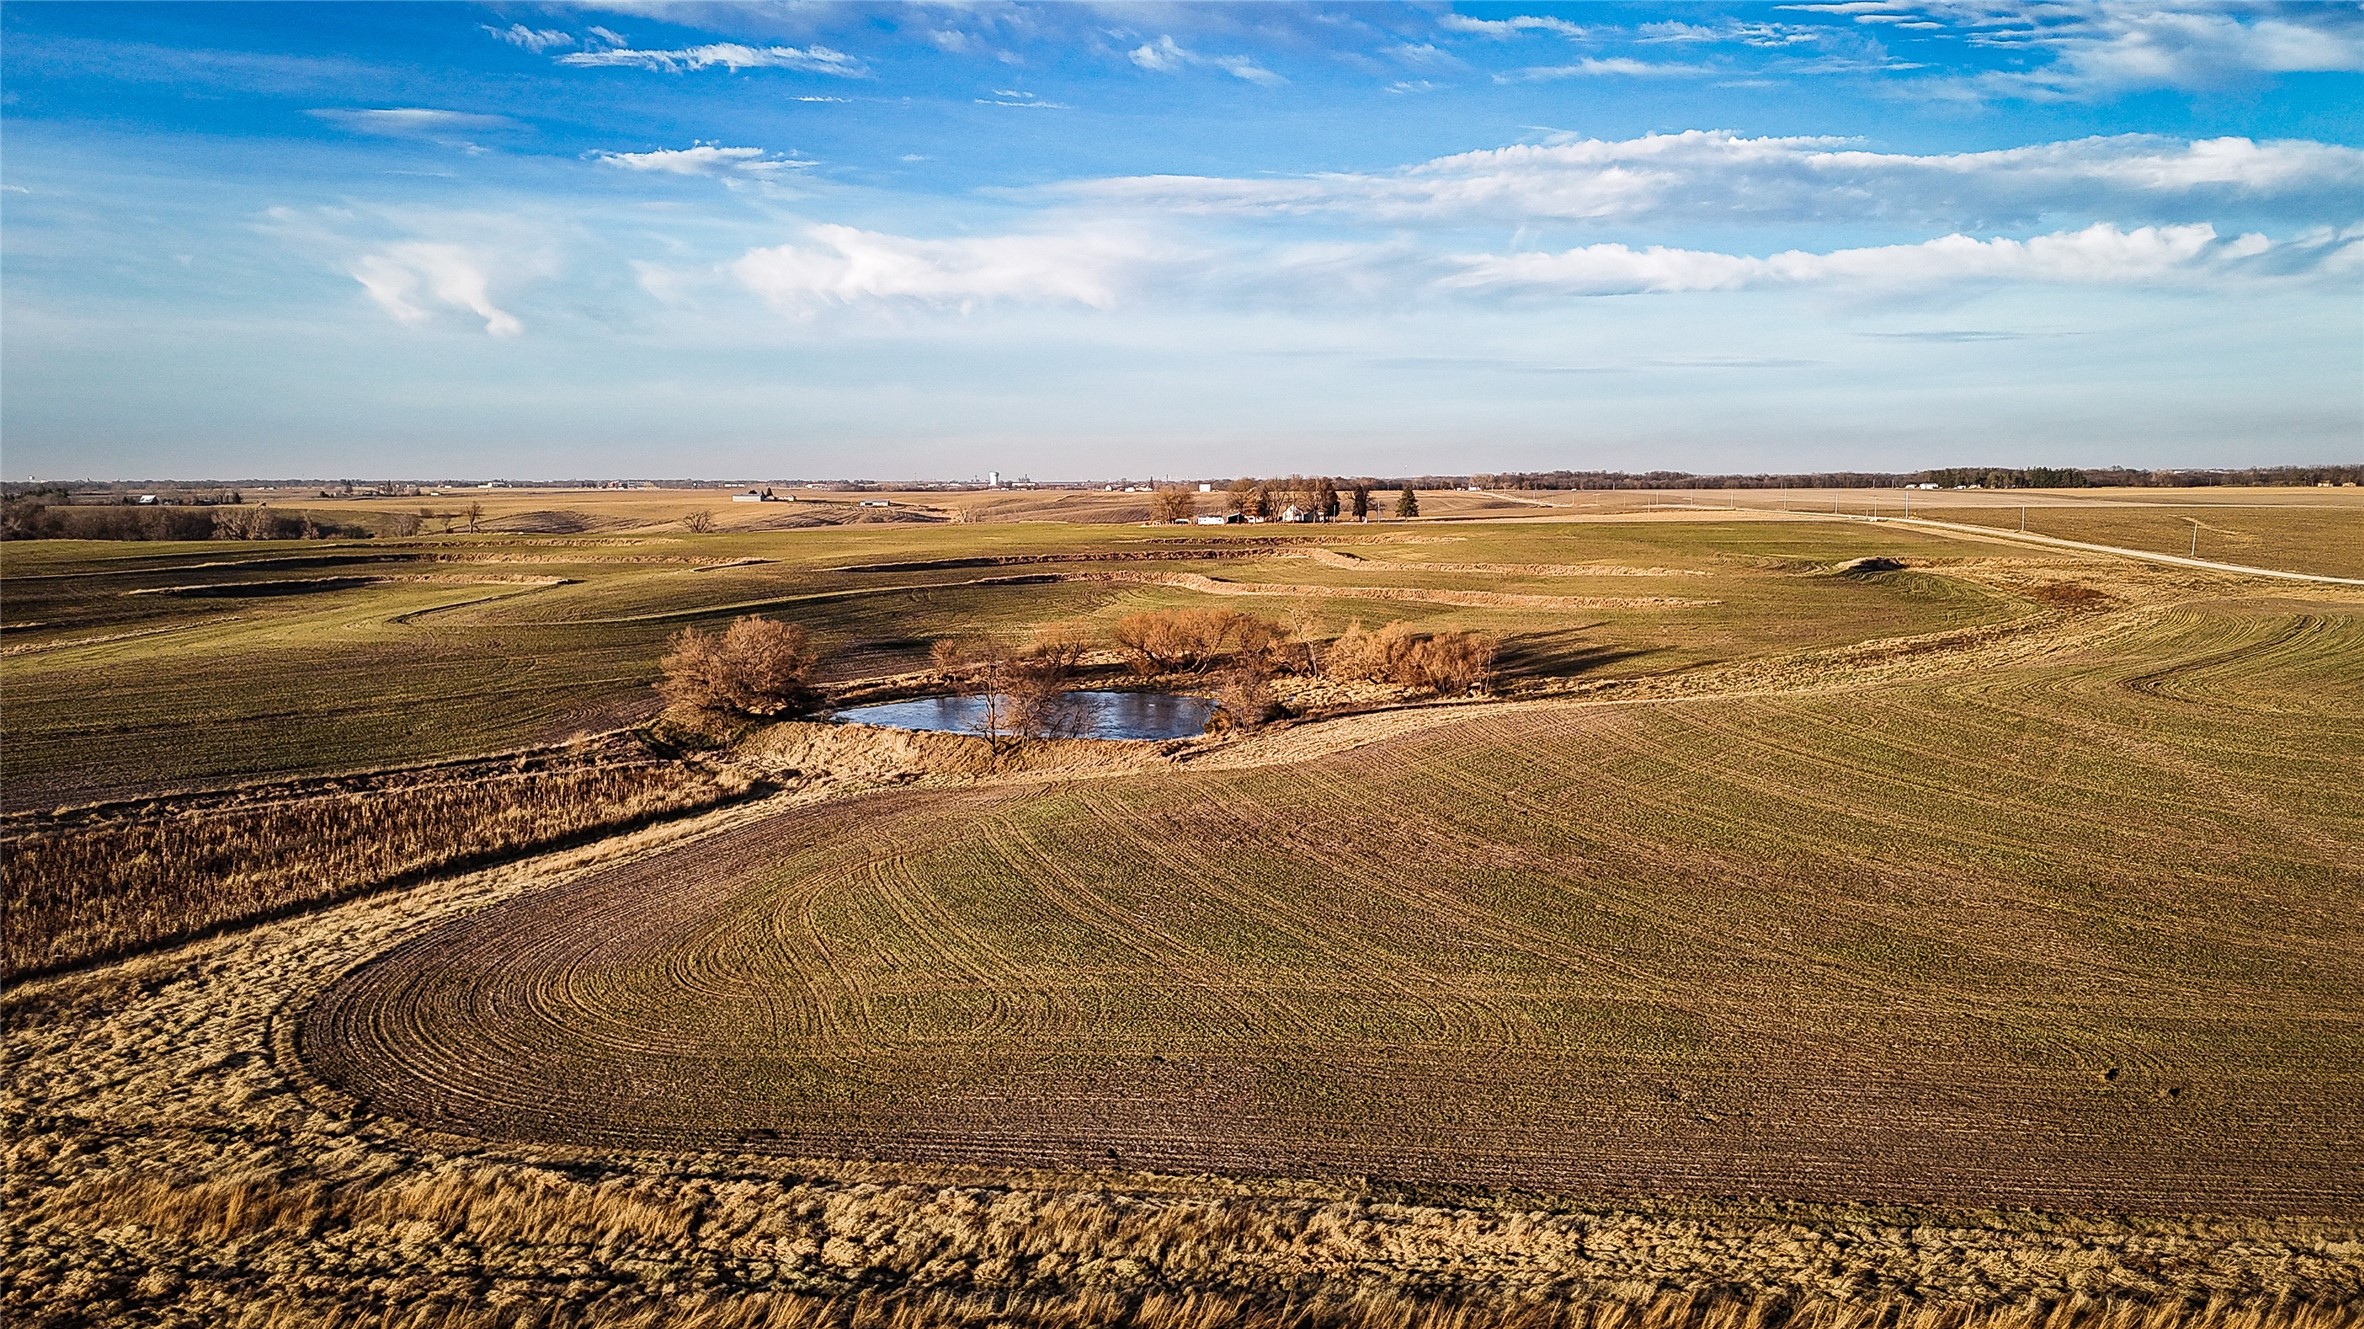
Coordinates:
column 1085, row 240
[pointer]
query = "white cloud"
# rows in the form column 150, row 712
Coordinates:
column 842, row 265
column 2097, row 254
column 608, row 35
column 1623, row 66
column 1025, row 100
column 411, row 121
column 1167, row 56
column 398, row 276
column 1718, row 175
column 705, row 159
column 814, row 59
column 1729, row 30
column 1164, row 55
column 2109, row 46
column 1499, row 28
column 536, row 40
column 2130, row 46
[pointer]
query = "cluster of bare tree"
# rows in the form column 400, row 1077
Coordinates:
column 755, row 667
column 1446, row 663
column 1020, row 687
column 1248, row 652
column 1317, row 494
column 1171, row 641
column 26, row 519
column 760, row 668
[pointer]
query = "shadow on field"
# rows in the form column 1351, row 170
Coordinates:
column 1563, row 653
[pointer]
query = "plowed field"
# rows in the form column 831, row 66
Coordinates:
column 2085, row 931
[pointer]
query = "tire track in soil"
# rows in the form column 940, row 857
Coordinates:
column 1795, row 1068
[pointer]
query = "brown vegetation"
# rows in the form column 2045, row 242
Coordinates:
column 757, row 667
column 1447, row 663
column 1173, row 504
column 1167, row 641
column 119, row 879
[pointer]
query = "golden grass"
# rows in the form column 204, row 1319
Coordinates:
column 1366, row 1310
column 111, row 880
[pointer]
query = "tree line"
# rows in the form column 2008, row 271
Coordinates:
column 29, row 518
column 1315, row 497
column 1985, row 477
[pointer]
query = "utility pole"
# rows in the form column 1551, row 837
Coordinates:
column 2023, row 521
column 2195, row 537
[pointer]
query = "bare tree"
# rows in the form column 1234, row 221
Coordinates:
column 1173, row 504
column 756, row 667
column 1021, row 691
column 699, row 522
column 475, row 511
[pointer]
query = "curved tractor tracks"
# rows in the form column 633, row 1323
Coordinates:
column 1445, row 961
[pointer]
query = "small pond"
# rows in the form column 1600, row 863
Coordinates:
column 1095, row 714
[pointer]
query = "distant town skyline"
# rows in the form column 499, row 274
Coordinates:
column 1092, row 241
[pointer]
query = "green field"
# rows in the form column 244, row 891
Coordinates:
column 292, row 659
column 2013, row 939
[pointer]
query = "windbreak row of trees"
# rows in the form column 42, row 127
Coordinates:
column 29, row 518
column 25, row 519
column 1320, row 497
column 1985, row 477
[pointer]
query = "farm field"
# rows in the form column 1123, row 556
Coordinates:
column 136, row 668
column 1821, row 947
column 1817, row 918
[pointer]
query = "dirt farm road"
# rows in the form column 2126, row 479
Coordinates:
column 2055, row 542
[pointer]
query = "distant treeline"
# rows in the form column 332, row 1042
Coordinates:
column 1985, row 477
column 31, row 519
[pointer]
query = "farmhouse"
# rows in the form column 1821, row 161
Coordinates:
column 1221, row 518
column 755, row 496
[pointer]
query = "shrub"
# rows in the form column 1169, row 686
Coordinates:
column 1442, row 662
column 1164, row 641
column 756, row 667
column 1245, row 700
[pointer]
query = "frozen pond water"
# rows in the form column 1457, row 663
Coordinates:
column 1094, row 714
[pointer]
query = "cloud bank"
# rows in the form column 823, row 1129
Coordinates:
column 1723, row 176
column 814, row 59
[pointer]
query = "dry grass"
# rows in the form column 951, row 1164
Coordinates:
column 1367, row 1310
column 116, row 879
